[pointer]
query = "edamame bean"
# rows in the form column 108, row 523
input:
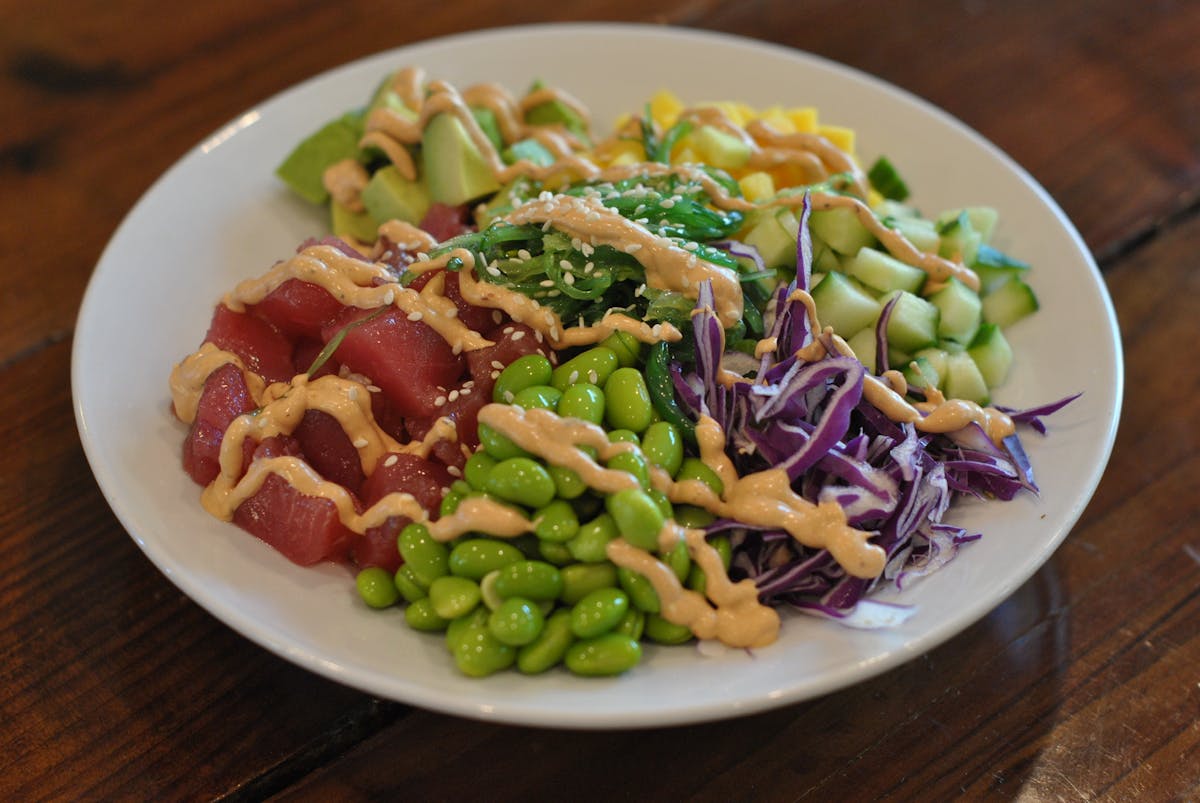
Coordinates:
column 624, row 436
column 450, row 502
column 693, row 468
column 598, row 612
column 590, row 543
column 663, row 446
column 377, row 587
column 627, row 400
column 516, row 622
column 632, row 624
column 632, row 463
column 523, row 372
column 478, row 653
column 609, row 654
column 532, row 579
column 453, row 597
column 581, row 579
column 637, row 517
column 409, row 586
column 679, row 560
column 499, row 445
column 542, row 397
column 692, row 516
column 556, row 554
column 584, row 401
column 475, row 557
column 425, row 556
column 556, row 522
column 457, row 627
column 521, row 480
column 478, row 466
column 697, row 580
column 487, row 590
column 660, row 630
column 549, row 647
column 627, row 348
column 567, row 483
column 640, row 590
column 662, row 501
column 420, row 615
column 593, row 366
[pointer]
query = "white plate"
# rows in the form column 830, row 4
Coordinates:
column 219, row 215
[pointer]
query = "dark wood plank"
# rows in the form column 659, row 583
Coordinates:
column 1069, row 689
column 115, row 684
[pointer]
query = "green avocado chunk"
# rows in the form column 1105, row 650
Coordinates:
column 304, row 167
column 390, row 196
column 454, row 168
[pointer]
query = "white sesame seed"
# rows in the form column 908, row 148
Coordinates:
column 573, row 378
column 454, row 395
column 389, row 297
column 374, row 389
column 508, row 396
column 465, row 392
column 668, row 203
column 495, row 374
column 554, row 333
column 497, row 316
column 422, row 256
column 593, row 377
column 440, row 401
column 470, row 383
column 454, row 471
column 508, row 330
column 587, row 249
column 633, row 248
column 691, row 246
column 361, row 443
column 546, row 283
column 524, row 255
column 499, row 366
column 569, row 278
column 493, row 270
column 517, row 336
column 392, row 459
column 538, row 336
column 415, row 316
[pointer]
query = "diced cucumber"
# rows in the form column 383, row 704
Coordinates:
column 774, row 238
column 886, row 180
column 918, row 231
column 841, row 229
column 531, row 151
column 994, row 267
column 992, row 354
column 936, row 357
column 896, row 209
column 913, row 324
column 960, row 310
column 863, row 345
column 1009, row 303
column 824, row 257
column 963, row 379
column 843, row 304
column 884, row 272
column 923, row 376
column 982, row 219
column 959, row 239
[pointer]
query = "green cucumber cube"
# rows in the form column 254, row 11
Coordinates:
column 863, row 345
column 963, row 379
column 841, row 229
column 774, row 235
column 1008, row 303
column 883, row 272
column 959, row 239
column 920, row 373
column 992, row 354
column 918, row 231
column 913, row 324
column 843, row 304
column 961, row 311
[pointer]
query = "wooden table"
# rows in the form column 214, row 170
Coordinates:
column 1085, row 684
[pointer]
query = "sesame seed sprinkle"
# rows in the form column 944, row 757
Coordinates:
column 361, row 443
column 415, row 316
column 392, row 459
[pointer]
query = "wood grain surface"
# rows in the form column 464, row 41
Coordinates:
column 1084, row 685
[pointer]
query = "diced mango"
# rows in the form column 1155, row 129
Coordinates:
column 757, row 186
column 734, row 111
column 665, row 107
column 778, row 119
column 840, row 136
column 874, row 199
column 804, row 119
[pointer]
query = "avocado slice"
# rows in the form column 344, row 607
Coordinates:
column 304, row 167
column 389, row 196
column 555, row 111
column 531, row 150
column 357, row 225
column 454, row 168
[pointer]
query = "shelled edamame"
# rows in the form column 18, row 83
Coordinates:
column 553, row 596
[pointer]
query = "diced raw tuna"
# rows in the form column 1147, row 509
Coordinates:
column 263, row 349
column 444, row 222
column 298, row 308
column 224, row 397
column 407, row 359
column 328, row 449
column 305, row 529
column 424, row 479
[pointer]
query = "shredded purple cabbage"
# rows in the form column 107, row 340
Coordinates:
column 812, row 420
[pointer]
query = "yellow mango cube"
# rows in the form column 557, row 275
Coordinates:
column 757, row 186
column 804, row 119
column 840, row 136
column 665, row 107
